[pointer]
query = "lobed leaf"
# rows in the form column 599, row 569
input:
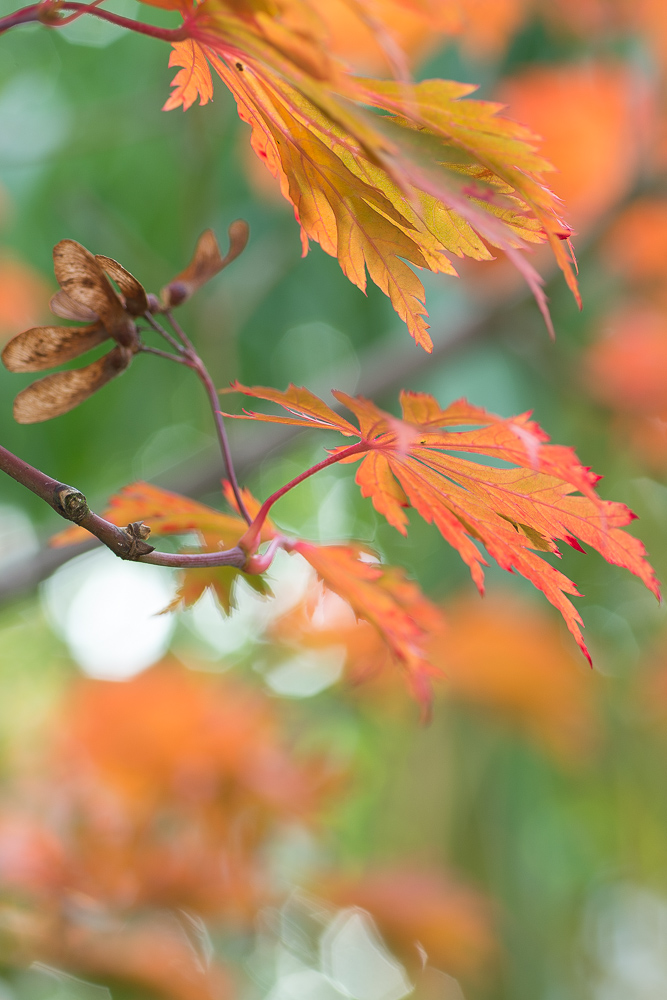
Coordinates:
column 193, row 80
column 357, row 185
column 431, row 461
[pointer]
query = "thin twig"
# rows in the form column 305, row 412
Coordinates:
column 163, row 333
column 190, row 358
column 145, row 349
column 179, row 331
column 212, row 394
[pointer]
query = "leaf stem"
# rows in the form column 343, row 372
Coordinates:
column 249, row 540
column 37, row 12
column 23, row 16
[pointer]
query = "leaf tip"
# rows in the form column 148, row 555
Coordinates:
column 573, row 543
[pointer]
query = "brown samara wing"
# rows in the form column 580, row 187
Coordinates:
column 47, row 346
column 84, row 281
column 206, row 262
column 59, row 393
column 65, row 307
column 133, row 291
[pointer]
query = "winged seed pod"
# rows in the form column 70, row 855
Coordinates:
column 206, row 262
column 86, row 295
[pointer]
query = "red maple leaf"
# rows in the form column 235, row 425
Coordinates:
column 431, row 461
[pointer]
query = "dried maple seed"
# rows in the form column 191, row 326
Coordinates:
column 81, row 277
column 86, row 295
column 57, row 394
column 46, row 346
column 134, row 294
column 207, row 261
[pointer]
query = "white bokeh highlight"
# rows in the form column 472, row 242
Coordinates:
column 626, row 930
column 355, row 960
column 107, row 612
column 226, row 635
column 18, row 539
column 307, row 674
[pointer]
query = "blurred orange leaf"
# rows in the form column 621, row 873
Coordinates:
column 159, row 793
column 365, row 35
column 425, row 909
column 24, row 296
column 636, row 243
column 170, row 783
column 488, row 25
column 593, row 119
column 508, row 656
column 626, row 368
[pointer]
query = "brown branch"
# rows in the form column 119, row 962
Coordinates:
column 384, row 369
column 127, row 543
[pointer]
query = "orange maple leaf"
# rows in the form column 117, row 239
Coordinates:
column 193, row 80
column 384, row 597
column 507, row 656
column 529, row 504
column 357, row 186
